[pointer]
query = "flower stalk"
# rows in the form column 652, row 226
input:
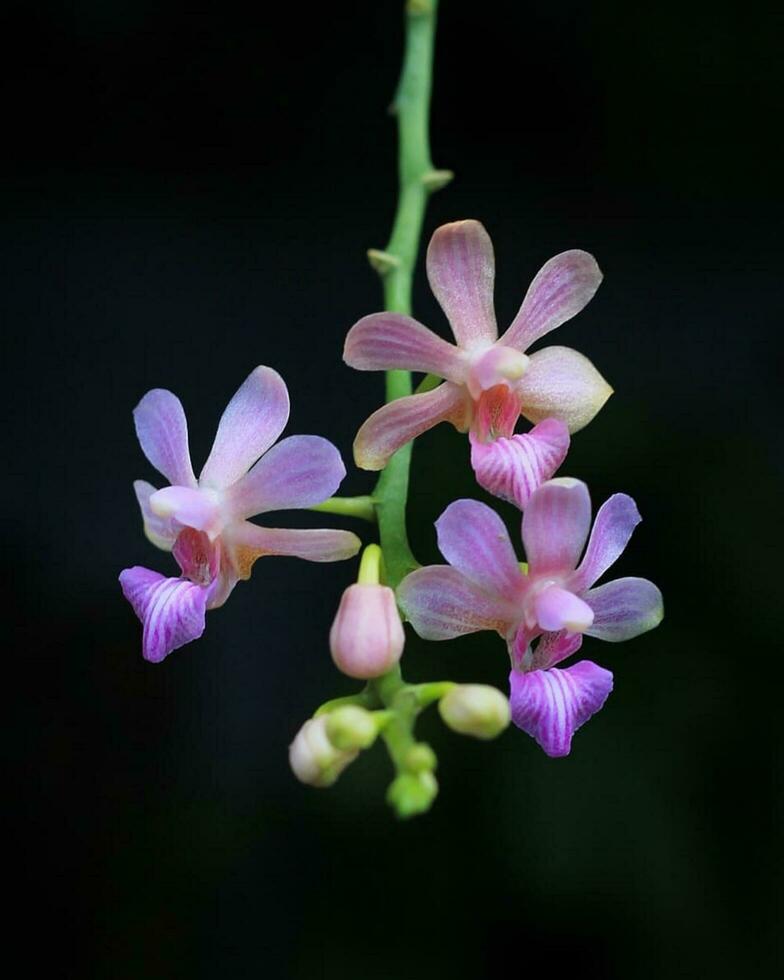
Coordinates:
column 395, row 264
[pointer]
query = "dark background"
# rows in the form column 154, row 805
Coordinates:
column 187, row 192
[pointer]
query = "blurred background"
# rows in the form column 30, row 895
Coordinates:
column 189, row 190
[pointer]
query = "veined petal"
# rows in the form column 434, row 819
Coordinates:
column 562, row 384
column 386, row 341
column 616, row 520
column 562, row 287
column 297, row 472
column 400, row 421
column 474, row 540
column 553, row 648
column 159, row 530
column 252, row 421
column 461, row 271
column 624, row 608
column 512, row 468
column 441, row 604
column 171, row 609
column 550, row 705
column 555, row 526
column 190, row 508
column 163, row 435
column 246, row 542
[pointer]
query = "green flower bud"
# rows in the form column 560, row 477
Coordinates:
column 421, row 758
column 475, row 709
column 313, row 758
column 351, row 727
column 412, row 793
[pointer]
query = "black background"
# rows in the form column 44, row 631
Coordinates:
column 188, row 191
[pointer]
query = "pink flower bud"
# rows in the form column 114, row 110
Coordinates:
column 367, row 636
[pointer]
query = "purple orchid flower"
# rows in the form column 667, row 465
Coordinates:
column 489, row 382
column 484, row 588
column 205, row 522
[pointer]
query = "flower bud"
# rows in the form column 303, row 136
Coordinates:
column 351, row 727
column 367, row 636
column 475, row 709
column 314, row 760
column 412, row 792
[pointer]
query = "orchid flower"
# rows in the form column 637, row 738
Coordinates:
column 553, row 602
column 205, row 522
column 489, row 382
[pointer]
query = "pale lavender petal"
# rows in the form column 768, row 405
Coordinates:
column 245, row 542
column 513, row 468
column 562, row 384
column 171, row 609
column 299, row 471
column 550, row 705
column 163, row 435
column 474, row 540
column 555, row 526
column 624, row 608
column 562, row 287
column 159, row 530
column 190, row 508
column 400, row 421
column 616, row 520
column 441, row 603
column 252, row 421
column 558, row 609
column 461, row 270
column 387, row 341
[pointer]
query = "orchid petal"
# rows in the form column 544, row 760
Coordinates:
column 171, row 609
column 550, row 705
column 400, row 421
column 555, row 526
column 163, row 435
column 615, row 522
column 550, row 649
column 190, row 508
column 251, row 422
column 388, row 341
column 159, row 530
column 562, row 287
column 558, row 609
column 624, row 608
column 474, row 540
column 441, row 604
column 553, row 648
column 298, row 472
column 461, row 271
column 562, row 384
column 248, row 542
column 513, row 468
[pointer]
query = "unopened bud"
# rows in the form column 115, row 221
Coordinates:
column 475, row 709
column 313, row 758
column 421, row 758
column 412, row 793
column 351, row 727
column 367, row 636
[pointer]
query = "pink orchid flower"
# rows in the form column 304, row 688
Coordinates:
column 489, row 382
column 205, row 522
column 484, row 588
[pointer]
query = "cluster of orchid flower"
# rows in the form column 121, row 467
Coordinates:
column 541, row 607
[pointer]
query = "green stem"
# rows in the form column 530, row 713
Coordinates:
column 363, row 507
column 417, row 179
